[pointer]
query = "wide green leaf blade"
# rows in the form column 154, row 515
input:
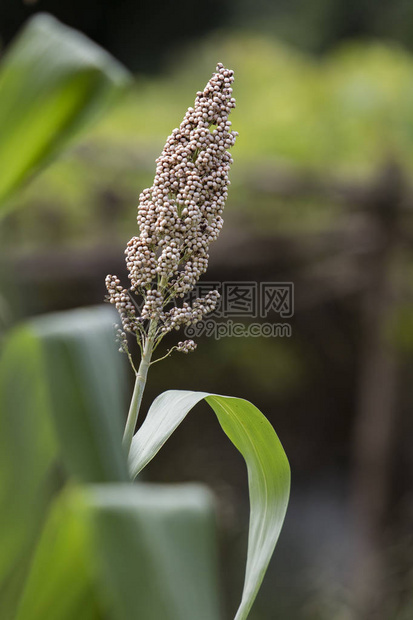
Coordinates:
column 85, row 379
column 60, row 584
column 122, row 552
column 267, row 465
column 27, row 453
column 61, row 403
column 53, row 81
column 158, row 552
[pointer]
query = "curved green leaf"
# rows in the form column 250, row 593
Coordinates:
column 53, row 80
column 125, row 551
column 267, row 465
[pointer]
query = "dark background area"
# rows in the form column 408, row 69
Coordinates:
column 143, row 35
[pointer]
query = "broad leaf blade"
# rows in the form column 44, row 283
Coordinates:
column 157, row 549
column 85, row 379
column 60, row 404
column 61, row 581
column 27, row 452
column 124, row 552
column 267, row 464
column 53, row 81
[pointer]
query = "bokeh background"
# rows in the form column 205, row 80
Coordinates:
column 321, row 196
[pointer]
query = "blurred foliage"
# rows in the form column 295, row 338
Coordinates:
column 346, row 111
column 33, row 416
column 127, row 551
column 44, row 104
column 341, row 115
column 118, row 545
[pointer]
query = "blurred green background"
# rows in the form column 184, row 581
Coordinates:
column 321, row 196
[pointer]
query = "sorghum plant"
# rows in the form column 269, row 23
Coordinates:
column 179, row 217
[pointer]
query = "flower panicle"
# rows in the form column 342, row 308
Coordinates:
column 180, row 216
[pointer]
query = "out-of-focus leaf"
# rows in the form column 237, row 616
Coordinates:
column 60, row 404
column 124, row 552
column 157, row 550
column 84, row 375
column 60, row 584
column 53, row 81
column 267, row 464
column 27, row 450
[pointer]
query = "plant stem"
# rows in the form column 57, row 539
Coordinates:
column 141, row 376
column 139, row 388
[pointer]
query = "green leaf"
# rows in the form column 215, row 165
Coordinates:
column 27, row 452
column 267, row 465
column 60, row 415
column 85, row 379
column 60, row 583
column 124, row 552
column 53, row 81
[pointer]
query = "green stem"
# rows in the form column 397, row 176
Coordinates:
column 141, row 376
column 139, row 388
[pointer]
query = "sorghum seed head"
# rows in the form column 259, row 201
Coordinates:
column 180, row 216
